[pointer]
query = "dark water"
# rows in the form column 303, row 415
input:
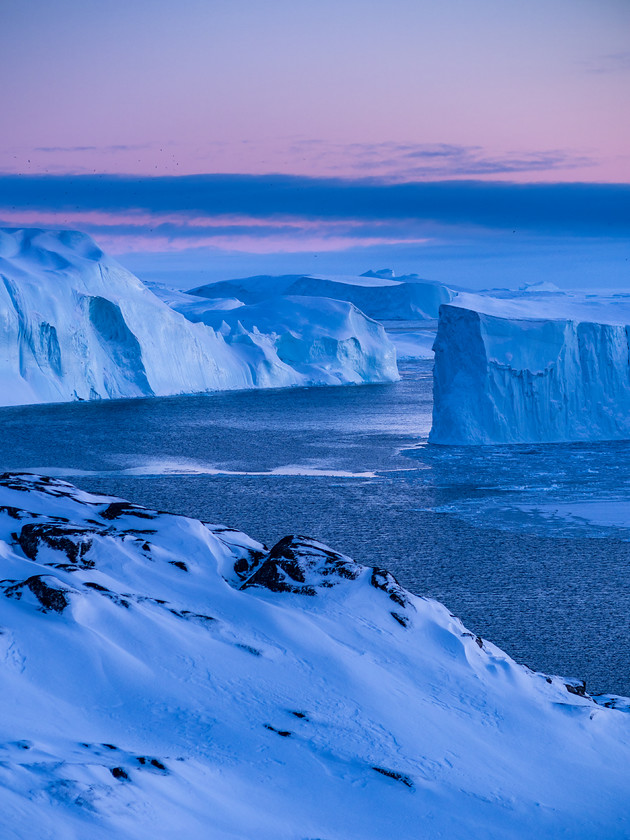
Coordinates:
column 474, row 527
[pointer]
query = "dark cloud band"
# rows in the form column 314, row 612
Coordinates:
column 572, row 208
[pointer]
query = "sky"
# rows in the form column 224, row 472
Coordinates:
column 489, row 139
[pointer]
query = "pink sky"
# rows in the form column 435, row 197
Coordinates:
column 391, row 90
column 408, row 89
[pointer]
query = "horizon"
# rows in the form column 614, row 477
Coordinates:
column 345, row 135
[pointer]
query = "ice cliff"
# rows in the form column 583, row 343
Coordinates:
column 77, row 325
column 556, row 368
column 163, row 677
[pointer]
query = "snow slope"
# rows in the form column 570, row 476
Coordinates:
column 77, row 325
column 377, row 294
column 163, row 677
column 534, row 366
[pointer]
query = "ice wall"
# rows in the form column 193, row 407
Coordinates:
column 512, row 380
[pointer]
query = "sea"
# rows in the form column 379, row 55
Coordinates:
column 528, row 544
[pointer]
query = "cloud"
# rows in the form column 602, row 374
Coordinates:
column 282, row 213
column 400, row 161
column 110, row 148
column 122, row 232
column 405, row 161
column 568, row 208
column 612, row 63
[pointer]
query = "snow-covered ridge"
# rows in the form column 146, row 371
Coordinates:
column 536, row 367
column 165, row 677
column 77, row 325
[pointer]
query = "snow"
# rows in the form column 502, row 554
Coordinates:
column 540, row 286
column 77, row 325
column 323, row 340
column 534, row 366
column 411, row 343
column 603, row 307
column 377, row 294
column 183, row 302
column 164, row 677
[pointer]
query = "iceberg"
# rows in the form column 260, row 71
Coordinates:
column 77, row 325
column 323, row 340
column 378, row 294
column 532, row 367
column 167, row 677
column 412, row 344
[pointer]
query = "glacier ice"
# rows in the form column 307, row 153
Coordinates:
column 552, row 367
column 77, row 325
column 165, row 677
column 378, row 294
column 321, row 339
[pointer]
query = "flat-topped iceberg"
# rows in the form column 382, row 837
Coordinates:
column 378, row 294
column 77, row 325
column 551, row 367
column 163, row 677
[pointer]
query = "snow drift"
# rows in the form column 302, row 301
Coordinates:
column 507, row 371
column 77, row 325
column 164, row 677
column 377, row 294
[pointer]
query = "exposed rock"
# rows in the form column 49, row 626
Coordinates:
column 117, row 509
column 49, row 592
column 394, row 774
column 74, row 541
column 386, row 582
column 284, row 733
column 302, row 565
column 180, row 564
column 113, row 596
column 577, row 687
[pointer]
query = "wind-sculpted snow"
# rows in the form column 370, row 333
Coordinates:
column 77, row 325
column 507, row 371
column 163, row 677
column 377, row 294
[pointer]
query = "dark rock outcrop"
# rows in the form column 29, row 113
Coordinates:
column 301, row 565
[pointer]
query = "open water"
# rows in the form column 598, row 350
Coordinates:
column 529, row 545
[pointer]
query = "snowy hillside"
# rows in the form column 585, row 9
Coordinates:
column 77, row 325
column 532, row 366
column 377, row 294
column 163, row 678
